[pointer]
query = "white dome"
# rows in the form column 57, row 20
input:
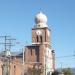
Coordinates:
column 41, row 18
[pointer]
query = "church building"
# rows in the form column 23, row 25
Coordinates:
column 38, row 58
column 40, row 54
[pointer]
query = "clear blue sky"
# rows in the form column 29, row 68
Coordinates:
column 17, row 19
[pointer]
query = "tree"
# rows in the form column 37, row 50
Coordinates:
column 67, row 71
column 34, row 71
column 55, row 73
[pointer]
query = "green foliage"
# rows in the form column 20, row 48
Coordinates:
column 55, row 73
column 67, row 71
column 34, row 71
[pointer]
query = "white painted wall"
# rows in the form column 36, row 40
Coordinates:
column 48, row 61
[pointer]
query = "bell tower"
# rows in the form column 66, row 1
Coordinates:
column 40, row 53
column 41, row 34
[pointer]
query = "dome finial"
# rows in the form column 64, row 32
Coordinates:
column 40, row 9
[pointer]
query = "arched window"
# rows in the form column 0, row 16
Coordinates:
column 37, row 38
column 41, row 39
column 14, row 69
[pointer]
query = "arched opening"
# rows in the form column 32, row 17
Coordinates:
column 37, row 38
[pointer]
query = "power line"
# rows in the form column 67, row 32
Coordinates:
column 67, row 56
column 7, row 42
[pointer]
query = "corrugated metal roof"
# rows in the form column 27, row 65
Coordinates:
column 12, row 53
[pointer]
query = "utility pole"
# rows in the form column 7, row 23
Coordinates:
column 7, row 54
column 5, row 39
column 7, row 42
column 61, row 66
column 23, row 60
